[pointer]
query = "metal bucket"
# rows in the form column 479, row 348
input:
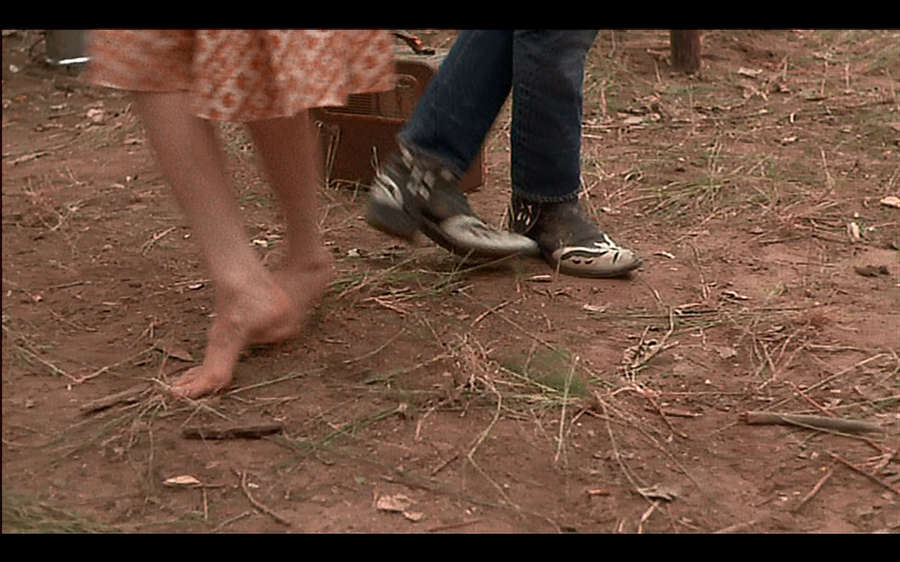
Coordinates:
column 65, row 46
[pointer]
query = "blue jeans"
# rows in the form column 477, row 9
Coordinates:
column 545, row 71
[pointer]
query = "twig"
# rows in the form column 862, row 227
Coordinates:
column 811, row 401
column 444, row 464
column 647, row 515
column 490, row 311
column 376, row 350
column 662, row 414
column 471, row 454
column 273, row 381
column 148, row 245
column 637, row 425
column 254, row 431
column 53, row 368
column 231, row 520
column 840, row 373
column 452, row 525
column 129, row 395
column 737, row 527
column 808, row 421
column 68, row 285
column 562, row 415
column 639, row 362
column 70, row 323
column 196, row 404
column 102, row 370
column 814, row 490
column 871, row 477
column 615, row 447
column 536, row 338
column 256, row 503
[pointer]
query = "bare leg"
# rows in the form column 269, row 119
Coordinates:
column 250, row 306
column 287, row 150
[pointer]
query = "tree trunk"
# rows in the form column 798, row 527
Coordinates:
column 685, row 45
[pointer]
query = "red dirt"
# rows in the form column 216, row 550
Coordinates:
column 419, row 376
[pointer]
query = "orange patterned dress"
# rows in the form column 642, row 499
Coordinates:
column 244, row 75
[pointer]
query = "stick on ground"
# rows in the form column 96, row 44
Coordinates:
column 871, row 477
column 814, row 491
column 260, row 506
column 128, row 395
column 803, row 420
column 254, row 431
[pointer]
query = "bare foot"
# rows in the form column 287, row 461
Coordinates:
column 271, row 311
column 305, row 283
column 262, row 312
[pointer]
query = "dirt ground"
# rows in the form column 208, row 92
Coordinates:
column 434, row 395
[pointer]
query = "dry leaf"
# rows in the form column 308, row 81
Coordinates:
column 891, row 201
column 853, row 232
column 593, row 308
column 184, row 481
column 414, row 516
column 397, row 503
column 749, row 72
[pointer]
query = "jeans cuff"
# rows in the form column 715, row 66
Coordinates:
column 532, row 198
column 431, row 157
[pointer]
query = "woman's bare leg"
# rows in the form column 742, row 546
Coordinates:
column 250, row 305
column 287, row 150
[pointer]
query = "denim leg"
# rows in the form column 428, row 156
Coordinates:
column 462, row 100
column 548, row 75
